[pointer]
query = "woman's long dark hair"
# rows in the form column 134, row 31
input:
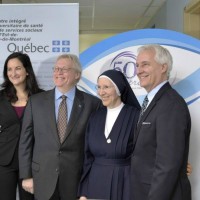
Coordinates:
column 31, row 82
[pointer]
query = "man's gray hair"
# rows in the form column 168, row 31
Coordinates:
column 162, row 55
column 75, row 61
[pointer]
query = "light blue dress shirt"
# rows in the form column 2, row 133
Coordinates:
column 153, row 92
column 70, row 99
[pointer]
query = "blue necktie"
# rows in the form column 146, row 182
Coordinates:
column 144, row 106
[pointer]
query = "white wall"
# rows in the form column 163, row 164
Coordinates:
column 170, row 16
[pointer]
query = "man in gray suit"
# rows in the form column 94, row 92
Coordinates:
column 50, row 168
column 161, row 142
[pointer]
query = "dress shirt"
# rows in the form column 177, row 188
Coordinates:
column 153, row 92
column 70, row 99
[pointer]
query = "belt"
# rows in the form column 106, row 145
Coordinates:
column 113, row 162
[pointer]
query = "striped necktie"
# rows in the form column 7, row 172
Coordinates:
column 144, row 106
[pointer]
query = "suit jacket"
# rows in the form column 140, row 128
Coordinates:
column 160, row 154
column 41, row 155
column 10, row 127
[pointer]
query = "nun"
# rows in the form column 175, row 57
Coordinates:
column 109, row 140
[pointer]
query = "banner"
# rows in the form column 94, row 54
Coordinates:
column 119, row 52
column 43, row 31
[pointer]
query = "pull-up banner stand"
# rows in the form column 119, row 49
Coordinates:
column 43, row 31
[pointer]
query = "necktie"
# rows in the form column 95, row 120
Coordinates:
column 144, row 106
column 62, row 119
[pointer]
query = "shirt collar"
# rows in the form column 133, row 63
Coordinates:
column 70, row 94
column 153, row 92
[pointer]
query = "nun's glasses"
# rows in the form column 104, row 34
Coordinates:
column 103, row 88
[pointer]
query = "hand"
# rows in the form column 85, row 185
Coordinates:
column 189, row 169
column 83, row 198
column 27, row 185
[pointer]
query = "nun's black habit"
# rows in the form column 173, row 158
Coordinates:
column 106, row 171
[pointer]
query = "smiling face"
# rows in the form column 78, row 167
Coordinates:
column 16, row 72
column 65, row 75
column 107, row 93
column 149, row 72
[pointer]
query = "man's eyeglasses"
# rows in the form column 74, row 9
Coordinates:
column 103, row 88
column 63, row 70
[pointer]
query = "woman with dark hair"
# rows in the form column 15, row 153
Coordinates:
column 109, row 141
column 19, row 83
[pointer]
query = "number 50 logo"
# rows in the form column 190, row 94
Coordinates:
column 126, row 63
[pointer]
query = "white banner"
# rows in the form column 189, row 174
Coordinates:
column 43, row 31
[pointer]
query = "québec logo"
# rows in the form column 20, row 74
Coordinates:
column 61, row 46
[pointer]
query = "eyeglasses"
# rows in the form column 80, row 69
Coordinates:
column 63, row 70
column 103, row 88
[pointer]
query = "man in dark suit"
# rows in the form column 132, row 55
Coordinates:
column 161, row 143
column 51, row 168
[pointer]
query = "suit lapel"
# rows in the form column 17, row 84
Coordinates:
column 159, row 94
column 6, row 105
column 50, row 109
